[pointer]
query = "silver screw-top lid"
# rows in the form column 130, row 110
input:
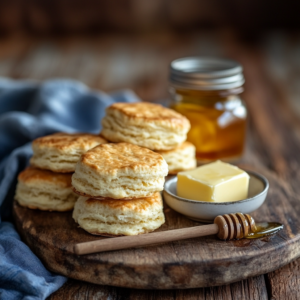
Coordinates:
column 202, row 73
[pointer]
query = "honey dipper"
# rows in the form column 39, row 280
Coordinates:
column 227, row 227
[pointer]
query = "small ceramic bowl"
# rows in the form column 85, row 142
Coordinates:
column 203, row 211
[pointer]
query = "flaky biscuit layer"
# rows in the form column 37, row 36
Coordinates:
column 119, row 171
column 60, row 152
column 45, row 190
column 118, row 217
column 148, row 125
column 181, row 158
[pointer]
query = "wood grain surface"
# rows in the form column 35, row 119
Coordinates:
column 271, row 67
column 253, row 288
column 192, row 263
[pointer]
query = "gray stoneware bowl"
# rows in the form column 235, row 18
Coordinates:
column 203, row 211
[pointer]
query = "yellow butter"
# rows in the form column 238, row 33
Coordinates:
column 217, row 182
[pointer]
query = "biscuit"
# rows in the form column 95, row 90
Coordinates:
column 144, row 124
column 60, row 152
column 119, row 217
column 45, row 190
column 119, row 171
column 181, row 158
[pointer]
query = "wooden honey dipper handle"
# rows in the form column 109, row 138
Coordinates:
column 144, row 239
column 227, row 227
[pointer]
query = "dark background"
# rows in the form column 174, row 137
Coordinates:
column 94, row 16
column 112, row 45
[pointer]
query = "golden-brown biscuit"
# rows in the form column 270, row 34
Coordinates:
column 181, row 158
column 119, row 217
column 145, row 124
column 45, row 190
column 119, row 171
column 60, row 152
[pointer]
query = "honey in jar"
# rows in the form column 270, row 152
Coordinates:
column 207, row 92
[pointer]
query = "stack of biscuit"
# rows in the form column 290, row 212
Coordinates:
column 46, row 184
column 115, row 187
column 119, row 186
column 152, row 126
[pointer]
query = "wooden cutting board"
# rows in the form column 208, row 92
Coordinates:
column 192, row 263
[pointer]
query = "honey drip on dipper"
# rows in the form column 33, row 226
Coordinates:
column 238, row 226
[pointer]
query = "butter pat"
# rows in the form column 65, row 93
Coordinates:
column 214, row 182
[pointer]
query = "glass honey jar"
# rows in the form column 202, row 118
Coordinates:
column 208, row 92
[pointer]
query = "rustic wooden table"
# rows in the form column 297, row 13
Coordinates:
column 272, row 70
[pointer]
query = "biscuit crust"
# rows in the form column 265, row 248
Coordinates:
column 34, row 176
column 120, row 158
column 139, row 205
column 150, row 112
column 60, row 152
column 64, row 141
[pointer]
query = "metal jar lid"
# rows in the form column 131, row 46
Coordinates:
column 202, row 73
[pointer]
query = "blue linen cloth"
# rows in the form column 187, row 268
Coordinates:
column 29, row 110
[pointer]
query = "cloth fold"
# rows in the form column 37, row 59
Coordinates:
column 29, row 110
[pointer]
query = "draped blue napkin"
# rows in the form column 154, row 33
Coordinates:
column 29, row 110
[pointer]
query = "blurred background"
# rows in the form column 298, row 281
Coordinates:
column 95, row 16
column 112, row 45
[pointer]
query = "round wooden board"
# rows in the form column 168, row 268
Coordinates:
column 192, row 263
